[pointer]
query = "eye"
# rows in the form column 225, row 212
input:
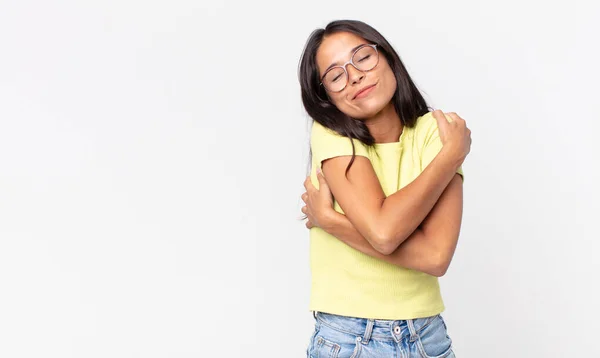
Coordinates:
column 364, row 58
column 336, row 78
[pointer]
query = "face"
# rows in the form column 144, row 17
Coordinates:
column 379, row 84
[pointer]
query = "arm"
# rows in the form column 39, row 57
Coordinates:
column 428, row 249
column 373, row 215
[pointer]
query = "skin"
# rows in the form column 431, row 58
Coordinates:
column 416, row 227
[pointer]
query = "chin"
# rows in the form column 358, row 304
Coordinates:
column 370, row 108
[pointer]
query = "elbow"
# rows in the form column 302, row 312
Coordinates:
column 385, row 237
column 440, row 254
column 438, row 270
column 385, row 249
column 439, row 265
column 384, row 244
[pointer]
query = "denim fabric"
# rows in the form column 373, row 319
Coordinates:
column 347, row 337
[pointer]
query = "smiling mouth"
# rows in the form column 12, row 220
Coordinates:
column 364, row 92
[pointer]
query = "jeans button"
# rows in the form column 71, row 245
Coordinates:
column 397, row 329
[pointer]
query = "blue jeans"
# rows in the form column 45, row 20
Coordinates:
column 348, row 337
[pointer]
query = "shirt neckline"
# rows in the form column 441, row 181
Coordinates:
column 399, row 143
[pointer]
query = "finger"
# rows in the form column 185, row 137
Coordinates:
column 304, row 197
column 441, row 119
column 320, row 171
column 454, row 116
column 309, row 225
column 304, row 210
column 321, row 178
column 306, row 182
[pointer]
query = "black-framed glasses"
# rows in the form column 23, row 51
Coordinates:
column 364, row 59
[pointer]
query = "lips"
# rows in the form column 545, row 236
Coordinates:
column 363, row 92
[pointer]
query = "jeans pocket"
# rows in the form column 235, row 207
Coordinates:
column 434, row 341
column 330, row 343
column 325, row 349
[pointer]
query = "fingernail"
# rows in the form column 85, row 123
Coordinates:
column 318, row 170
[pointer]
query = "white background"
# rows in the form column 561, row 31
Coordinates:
column 152, row 156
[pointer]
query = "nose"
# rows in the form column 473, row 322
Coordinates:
column 354, row 76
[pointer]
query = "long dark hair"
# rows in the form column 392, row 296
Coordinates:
column 408, row 101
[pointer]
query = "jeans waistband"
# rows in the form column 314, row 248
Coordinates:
column 375, row 328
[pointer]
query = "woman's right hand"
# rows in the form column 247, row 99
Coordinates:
column 455, row 135
column 319, row 203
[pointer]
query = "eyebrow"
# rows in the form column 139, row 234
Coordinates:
column 337, row 63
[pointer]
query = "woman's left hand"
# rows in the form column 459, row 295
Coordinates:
column 319, row 202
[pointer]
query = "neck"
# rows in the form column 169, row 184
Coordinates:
column 385, row 126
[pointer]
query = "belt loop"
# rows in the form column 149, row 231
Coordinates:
column 368, row 331
column 411, row 328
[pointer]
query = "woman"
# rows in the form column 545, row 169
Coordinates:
column 394, row 170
